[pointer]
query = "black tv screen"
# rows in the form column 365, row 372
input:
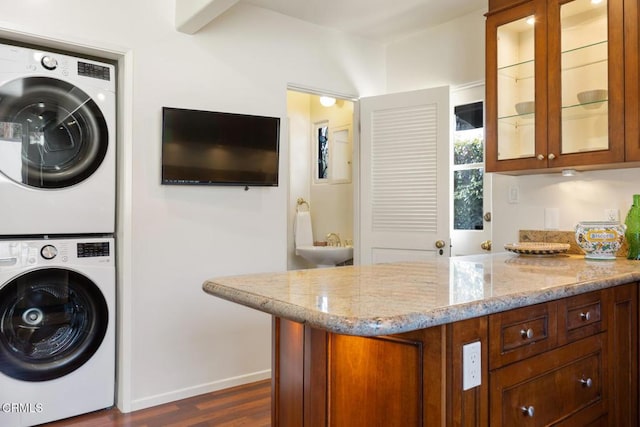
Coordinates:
column 214, row 148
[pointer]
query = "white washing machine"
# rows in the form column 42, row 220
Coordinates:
column 57, row 143
column 57, row 328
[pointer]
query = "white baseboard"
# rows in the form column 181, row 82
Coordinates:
column 184, row 393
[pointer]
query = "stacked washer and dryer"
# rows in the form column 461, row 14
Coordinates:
column 57, row 219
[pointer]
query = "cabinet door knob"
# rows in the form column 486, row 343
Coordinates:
column 528, row 411
column 526, row 334
column 540, row 157
column 552, row 156
column 588, row 382
column 585, row 316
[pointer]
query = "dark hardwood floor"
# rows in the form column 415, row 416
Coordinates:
column 246, row 405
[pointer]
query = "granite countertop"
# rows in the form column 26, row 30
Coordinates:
column 400, row 297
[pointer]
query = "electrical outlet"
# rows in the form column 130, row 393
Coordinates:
column 471, row 365
column 612, row 214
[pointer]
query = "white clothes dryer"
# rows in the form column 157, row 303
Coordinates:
column 57, row 328
column 57, row 143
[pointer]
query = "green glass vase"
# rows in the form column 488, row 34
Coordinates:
column 633, row 229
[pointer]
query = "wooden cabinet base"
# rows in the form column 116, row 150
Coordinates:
column 580, row 368
column 326, row 379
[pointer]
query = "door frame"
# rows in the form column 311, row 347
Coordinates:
column 460, row 95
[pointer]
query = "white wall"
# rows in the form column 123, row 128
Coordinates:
column 299, row 116
column 174, row 340
column 448, row 54
column 580, row 198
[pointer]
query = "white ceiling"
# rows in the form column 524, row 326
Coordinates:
column 382, row 20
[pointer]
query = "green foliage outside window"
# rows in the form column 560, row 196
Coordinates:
column 468, row 186
column 467, row 151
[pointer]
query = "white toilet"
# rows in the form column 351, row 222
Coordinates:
column 321, row 256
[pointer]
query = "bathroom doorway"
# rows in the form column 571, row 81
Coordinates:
column 322, row 167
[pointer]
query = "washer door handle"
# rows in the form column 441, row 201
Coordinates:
column 8, row 262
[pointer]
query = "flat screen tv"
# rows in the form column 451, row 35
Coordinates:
column 215, row 148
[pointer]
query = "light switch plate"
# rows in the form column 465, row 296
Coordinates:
column 514, row 194
column 551, row 218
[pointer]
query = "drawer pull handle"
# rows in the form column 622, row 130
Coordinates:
column 586, row 382
column 526, row 335
column 585, row 316
column 528, row 411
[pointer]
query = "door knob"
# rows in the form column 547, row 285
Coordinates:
column 486, row 245
column 440, row 244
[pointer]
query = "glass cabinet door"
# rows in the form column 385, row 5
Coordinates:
column 516, row 89
column 516, row 105
column 584, row 76
column 586, row 72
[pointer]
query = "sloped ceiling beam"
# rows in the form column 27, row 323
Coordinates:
column 192, row 15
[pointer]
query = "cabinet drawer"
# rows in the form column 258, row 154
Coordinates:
column 551, row 387
column 521, row 333
column 580, row 316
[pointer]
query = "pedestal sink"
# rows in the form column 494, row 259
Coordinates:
column 325, row 256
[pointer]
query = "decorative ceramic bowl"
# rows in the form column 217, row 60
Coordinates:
column 592, row 98
column 600, row 239
column 525, row 107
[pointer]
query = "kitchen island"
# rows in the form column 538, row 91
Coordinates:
column 383, row 344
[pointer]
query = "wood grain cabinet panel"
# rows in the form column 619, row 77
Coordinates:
column 581, row 316
column 549, row 388
column 623, row 355
column 566, row 363
column 366, row 386
column 520, row 333
column 631, row 82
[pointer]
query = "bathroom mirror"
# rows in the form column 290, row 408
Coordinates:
column 333, row 153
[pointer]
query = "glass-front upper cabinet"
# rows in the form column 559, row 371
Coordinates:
column 516, row 87
column 555, row 74
column 585, row 82
column 584, row 76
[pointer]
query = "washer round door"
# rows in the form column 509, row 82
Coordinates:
column 52, row 134
column 51, row 322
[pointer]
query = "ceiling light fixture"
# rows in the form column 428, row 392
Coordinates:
column 327, row 101
column 596, row 1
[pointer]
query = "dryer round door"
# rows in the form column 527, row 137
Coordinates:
column 52, row 134
column 51, row 322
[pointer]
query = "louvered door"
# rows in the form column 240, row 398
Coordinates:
column 404, row 203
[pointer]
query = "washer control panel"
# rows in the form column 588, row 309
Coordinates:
column 26, row 62
column 22, row 253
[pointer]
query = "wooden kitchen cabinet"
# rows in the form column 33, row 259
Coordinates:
column 555, row 85
column 577, row 366
column 631, row 83
column 571, row 362
column 552, row 387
